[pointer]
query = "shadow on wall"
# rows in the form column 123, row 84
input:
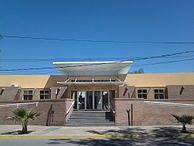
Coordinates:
column 50, row 113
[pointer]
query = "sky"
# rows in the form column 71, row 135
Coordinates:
column 114, row 20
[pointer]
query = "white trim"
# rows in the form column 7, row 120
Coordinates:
column 19, row 104
column 82, row 83
column 67, row 80
column 90, row 62
column 70, row 107
column 169, row 103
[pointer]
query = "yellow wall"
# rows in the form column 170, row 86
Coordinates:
column 159, row 80
column 148, row 81
column 138, row 80
column 30, row 81
column 24, row 81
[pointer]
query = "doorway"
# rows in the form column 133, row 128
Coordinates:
column 91, row 100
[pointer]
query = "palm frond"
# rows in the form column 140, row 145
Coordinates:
column 184, row 119
column 22, row 114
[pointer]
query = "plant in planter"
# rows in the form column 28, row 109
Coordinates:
column 184, row 120
column 23, row 116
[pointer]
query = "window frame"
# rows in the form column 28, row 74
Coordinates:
column 28, row 93
column 142, row 94
column 159, row 93
column 44, row 94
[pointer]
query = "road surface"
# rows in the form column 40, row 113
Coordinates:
column 98, row 142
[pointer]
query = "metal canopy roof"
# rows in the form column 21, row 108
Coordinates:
column 94, row 68
column 91, row 82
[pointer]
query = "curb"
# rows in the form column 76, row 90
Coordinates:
column 96, row 136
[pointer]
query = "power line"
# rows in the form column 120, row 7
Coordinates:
column 63, row 59
column 135, row 59
column 50, row 68
column 163, row 55
column 99, row 41
column 92, row 59
column 163, row 62
column 45, row 68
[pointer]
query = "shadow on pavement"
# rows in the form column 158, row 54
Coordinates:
column 162, row 136
column 96, row 142
column 168, row 132
column 124, row 142
column 122, row 131
column 17, row 132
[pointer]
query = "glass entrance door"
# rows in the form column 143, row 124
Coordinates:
column 97, row 100
column 91, row 100
column 81, row 100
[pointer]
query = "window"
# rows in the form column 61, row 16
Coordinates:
column 44, row 94
column 28, row 94
column 159, row 93
column 142, row 93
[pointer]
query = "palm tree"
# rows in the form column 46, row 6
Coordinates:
column 23, row 116
column 184, row 120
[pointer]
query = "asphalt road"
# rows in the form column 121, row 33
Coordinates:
column 98, row 142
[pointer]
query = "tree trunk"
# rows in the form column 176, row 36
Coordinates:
column 24, row 128
column 184, row 129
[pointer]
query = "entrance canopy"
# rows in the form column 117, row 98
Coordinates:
column 94, row 68
column 91, row 82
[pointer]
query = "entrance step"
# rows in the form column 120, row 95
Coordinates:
column 90, row 118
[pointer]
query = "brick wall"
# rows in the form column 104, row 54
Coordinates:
column 160, row 114
column 180, row 92
column 150, row 112
column 44, row 108
column 126, row 91
column 121, row 107
column 174, row 92
column 10, row 93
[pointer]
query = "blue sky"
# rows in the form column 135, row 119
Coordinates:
column 124, row 20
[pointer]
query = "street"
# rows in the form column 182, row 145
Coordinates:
column 97, row 142
column 96, row 136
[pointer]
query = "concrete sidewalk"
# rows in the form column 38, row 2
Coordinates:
column 11, row 131
column 53, row 130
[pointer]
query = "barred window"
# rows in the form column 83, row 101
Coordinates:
column 44, row 94
column 159, row 93
column 142, row 93
column 27, row 94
